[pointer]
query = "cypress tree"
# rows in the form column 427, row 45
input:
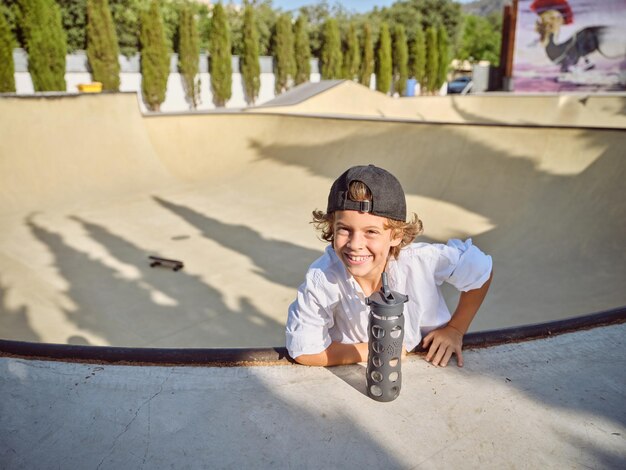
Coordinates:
column 383, row 64
column 303, row 51
column 74, row 21
column 102, row 47
column 188, row 55
column 432, row 59
column 220, row 57
column 367, row 64
column 418, row 56
column 250, row 67
column 284, row 54
column 331, row 51
column 400, row 60
column 155, row 60
column 352, row 62
column 45, row 43
column 444, row 56
column 7, row 69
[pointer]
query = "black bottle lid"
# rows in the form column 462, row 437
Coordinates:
column 387, row 302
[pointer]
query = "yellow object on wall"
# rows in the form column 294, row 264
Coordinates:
column 95, row 87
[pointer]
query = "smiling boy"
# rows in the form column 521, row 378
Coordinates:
column 365, row 224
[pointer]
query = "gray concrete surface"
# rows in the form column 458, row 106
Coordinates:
column 300, row 93
column 89, row 188
column 552, row 404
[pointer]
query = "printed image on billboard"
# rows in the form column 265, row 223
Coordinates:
column 570, row 45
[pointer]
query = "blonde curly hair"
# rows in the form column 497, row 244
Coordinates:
column 358, row 191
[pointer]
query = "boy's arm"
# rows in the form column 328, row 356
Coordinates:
column 448, row 340
column 336, row 354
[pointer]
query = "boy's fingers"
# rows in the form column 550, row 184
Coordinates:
column 432, row 350
column 459, row 358
column 446, row 357
column 439, row 356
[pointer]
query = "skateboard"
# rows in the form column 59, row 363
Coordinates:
column 173, row 264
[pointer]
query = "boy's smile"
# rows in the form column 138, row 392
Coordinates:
column 362, row 243
column 358, row 259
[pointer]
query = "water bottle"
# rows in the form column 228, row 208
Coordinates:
column 386, row 333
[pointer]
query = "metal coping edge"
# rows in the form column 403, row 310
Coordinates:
column 228, row 357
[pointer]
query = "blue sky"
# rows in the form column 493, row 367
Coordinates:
column 353, row 5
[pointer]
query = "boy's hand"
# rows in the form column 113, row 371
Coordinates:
column 443, row 343
column 449, row 340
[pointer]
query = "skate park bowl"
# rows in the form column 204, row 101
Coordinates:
column 97, row 343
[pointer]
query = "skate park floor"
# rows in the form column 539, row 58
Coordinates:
column 90, row 188
column 551, row 403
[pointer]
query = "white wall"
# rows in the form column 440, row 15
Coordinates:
column 130, row 80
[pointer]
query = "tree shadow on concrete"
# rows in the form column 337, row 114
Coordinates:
column 14, row 322
column 603, row 457
column 577, row 372
column 187, row 417
column 126, row 312
column 278, row 261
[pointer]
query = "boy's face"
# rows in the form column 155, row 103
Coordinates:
column 362, row 243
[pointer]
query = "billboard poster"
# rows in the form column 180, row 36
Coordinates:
column 570, row 45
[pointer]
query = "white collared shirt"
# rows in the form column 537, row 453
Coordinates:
column 330, row 306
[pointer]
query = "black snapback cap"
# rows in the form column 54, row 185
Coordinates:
column 388, row 198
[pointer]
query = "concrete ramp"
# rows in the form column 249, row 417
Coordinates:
column 346, row 98
column 90, row 188
column 73, row 150
column 576, row 110
column 330, row 97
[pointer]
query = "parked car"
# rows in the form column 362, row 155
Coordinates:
column 458, row 85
